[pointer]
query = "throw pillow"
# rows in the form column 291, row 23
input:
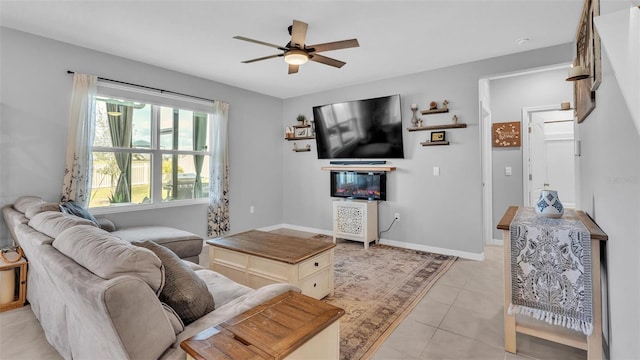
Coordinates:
column 183, row 290
column 72, row 208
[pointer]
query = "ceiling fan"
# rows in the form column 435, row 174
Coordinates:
column 296, row 52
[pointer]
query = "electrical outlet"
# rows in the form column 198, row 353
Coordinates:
column 397, row 216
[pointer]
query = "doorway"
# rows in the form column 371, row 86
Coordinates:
column 504, row 98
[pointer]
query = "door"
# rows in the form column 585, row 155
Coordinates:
column 550, row 157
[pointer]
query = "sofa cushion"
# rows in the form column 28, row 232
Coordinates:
column 24, row 202
column 72, row 208
column 183, row 290
column 36, row 209
column 106, row 224
column 53, row 223
column 107, row 256
column 183, row 243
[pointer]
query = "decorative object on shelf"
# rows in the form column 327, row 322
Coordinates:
column 588, row 56
column 437, row 136
column 445, row 105
column 549, row 205
column 433, row 105
column 419, row 123
column 305, row 148
column 506, row 134
column 454, row 119
column 302, row 132
column 302, row 120
column 288, row 133
column 414, row 118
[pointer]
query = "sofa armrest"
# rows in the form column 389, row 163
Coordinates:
column 139, row 318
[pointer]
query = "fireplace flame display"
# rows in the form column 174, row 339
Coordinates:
column 359, row 185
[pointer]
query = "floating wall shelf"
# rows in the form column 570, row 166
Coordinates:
column 438, row 127
column 434, row 143
column 301, row 150
column 301, row 138
column 435, row 111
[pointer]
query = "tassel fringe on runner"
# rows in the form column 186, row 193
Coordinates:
column 553, row 319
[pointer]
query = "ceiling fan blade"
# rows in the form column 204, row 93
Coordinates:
column 327, row 60
column 260, row 42
column 298, row 33
column 293, row 68
column 344, row 44
column 262, row 58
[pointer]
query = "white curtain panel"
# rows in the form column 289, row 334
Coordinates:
column 218, row 211
column 77, row 172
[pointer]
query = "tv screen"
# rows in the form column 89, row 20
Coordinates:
column 362, row 129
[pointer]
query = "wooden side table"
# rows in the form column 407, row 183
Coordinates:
column 20, row 289
column 289, row 326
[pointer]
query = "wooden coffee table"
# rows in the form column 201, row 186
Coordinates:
column 289, row 326
column 257, row 258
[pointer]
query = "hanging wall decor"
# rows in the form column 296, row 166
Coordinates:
column 588, row 55
column 506, row 134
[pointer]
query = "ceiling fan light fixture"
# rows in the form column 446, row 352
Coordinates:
column 296, row 57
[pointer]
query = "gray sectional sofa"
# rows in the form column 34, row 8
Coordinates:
column 97, row 296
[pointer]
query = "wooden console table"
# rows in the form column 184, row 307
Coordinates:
column 289, row 326
column 257, row 258
column 593, row 343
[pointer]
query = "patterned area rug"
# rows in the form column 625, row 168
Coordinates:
column 377, row 288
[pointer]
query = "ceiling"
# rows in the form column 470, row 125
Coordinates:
column 396, row 37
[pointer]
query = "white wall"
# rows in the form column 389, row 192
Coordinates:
column 508, row 96
column 610, row 193
column 442, row 213
column 35, row 96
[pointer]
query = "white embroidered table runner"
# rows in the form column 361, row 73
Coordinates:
column 551, row 269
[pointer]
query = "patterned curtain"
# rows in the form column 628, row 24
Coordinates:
column 218, row 211
column 76, row 185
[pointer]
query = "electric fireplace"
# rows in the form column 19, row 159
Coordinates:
column 359, row 185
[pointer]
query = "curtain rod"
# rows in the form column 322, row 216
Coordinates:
column 148, row 87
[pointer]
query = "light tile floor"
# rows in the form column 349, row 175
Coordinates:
column 460, row 318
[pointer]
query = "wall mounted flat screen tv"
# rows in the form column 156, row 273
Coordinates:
column 362, row 129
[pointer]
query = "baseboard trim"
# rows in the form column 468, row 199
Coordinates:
column 404, row 245
column 498, row 242
column 432, row 249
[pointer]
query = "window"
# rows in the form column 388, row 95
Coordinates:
column 145, row 153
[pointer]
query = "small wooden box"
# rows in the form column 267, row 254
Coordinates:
column 20, row 267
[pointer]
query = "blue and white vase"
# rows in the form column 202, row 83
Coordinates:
column 549, row 205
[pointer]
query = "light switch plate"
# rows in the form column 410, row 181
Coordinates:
column 507, row 170
column 436, row 171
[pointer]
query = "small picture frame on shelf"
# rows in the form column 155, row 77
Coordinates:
column 302, row 132
column 437, row 136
